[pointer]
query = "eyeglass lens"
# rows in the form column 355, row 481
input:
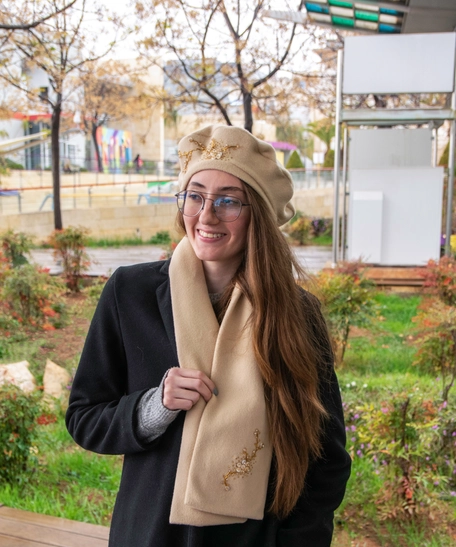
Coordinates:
column 226, row 208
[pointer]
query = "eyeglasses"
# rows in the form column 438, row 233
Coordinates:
column 226, row 208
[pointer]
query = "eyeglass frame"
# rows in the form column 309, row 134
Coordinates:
column 201, row 194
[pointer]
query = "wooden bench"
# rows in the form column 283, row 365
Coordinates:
column 25, row 529
column 396, row 276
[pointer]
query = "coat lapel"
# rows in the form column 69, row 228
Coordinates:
column 164, row 304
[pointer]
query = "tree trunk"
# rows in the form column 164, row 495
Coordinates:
column 97, row 148
column 248, row 117
column 55, row 149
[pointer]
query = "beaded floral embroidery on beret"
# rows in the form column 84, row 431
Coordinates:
column 214, row 151
column 243, row 464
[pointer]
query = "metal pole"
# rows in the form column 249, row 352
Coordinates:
column 436, row 142
column 337, row 158
column 74, row 190
column 450, row 185
column 449, row 214
column 344, row 193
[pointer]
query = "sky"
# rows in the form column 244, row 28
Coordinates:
column 126, row 49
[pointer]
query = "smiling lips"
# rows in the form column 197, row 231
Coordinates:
column 209, row 235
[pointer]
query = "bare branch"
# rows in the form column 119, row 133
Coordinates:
column 28, row 26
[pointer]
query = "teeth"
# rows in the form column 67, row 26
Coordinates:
column 210, row 236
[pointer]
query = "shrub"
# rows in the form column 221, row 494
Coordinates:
column 149, row 166
column 436, row 343
column 410, row 440
column 294, row 161
column 300, row 228
column 348, row 299
column 18, row 413
column 5, row 267
column 31, row 295
column 8, row 324
column 440, row 279
column 69, row 245
column 160, row 238
column 95, row 289
column 13, row 165
column 321, row 226
column 15, row 246
column 329, row 159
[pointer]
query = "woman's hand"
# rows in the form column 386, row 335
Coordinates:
column 183, row 388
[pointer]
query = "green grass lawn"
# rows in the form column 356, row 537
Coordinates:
column 323, row 240
column 69, row 482
column 66, row 481
column 378, row 362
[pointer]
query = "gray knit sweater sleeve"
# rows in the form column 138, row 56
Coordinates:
column 153, row 416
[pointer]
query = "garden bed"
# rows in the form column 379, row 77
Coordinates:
column 378, row 367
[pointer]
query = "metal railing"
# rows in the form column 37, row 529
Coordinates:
column 312, row 178
column 83, row 196
column 40, row 160
column 124, row 189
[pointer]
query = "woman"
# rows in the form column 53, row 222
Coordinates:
column 213, row 373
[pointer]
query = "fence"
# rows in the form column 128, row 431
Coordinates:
column 312, row 178
column 31, row 191
column 40, row 160
column 84, row 195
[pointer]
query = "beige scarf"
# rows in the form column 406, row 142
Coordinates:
column 225, row 454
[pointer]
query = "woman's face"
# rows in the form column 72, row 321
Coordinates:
column 213, row 240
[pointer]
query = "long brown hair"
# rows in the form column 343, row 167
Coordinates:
column 288, row 350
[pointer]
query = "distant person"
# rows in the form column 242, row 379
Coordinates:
column 138, row 162
column 212, row 371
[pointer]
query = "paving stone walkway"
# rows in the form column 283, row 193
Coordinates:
column 106, row 260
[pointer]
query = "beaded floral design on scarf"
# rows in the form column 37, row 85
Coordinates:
column 243, row 464
column 214, row 151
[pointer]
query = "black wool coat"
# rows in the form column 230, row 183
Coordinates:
column 129, row 347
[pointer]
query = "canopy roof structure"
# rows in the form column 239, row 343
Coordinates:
column 377, row 16
column 21, row 143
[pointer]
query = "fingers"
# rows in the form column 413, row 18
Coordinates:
column 184, row 387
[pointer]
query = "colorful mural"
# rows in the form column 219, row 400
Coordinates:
column 115, row 149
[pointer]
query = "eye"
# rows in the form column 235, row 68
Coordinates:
column 226, row 201
column 193, row 196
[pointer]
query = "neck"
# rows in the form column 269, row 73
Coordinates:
column 218, row 275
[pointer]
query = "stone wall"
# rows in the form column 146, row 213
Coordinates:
column 103, row 222
column 43, row 179
column 146, row 220
column 316, row 202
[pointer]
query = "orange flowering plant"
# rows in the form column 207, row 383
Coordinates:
column 32, row 297
column 70, row 247
column 440, row 279
column 347, row 297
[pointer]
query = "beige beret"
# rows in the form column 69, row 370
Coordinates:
column 237, row 152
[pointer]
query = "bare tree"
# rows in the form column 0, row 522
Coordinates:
column 113, row 91
column 104, row 96
column 223, row 56
column 58, row 47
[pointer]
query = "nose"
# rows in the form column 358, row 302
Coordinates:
column 207, row 215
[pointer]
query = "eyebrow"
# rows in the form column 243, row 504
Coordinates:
column 221, row 189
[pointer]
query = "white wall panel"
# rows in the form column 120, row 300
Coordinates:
column 389, row 148
column 411, row 213
column 404, row 63
column 366, row 226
